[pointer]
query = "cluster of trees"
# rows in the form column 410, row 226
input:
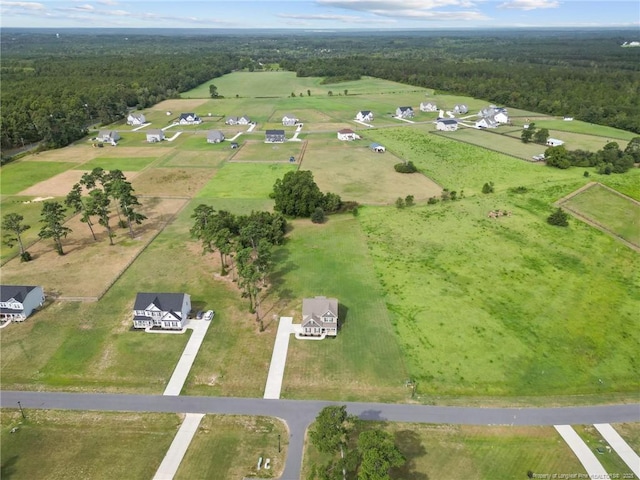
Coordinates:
column 408, row 201
column 537, row 135
column 405, row 167
column 245, row 244
column 363, row 453
column 298, row 195
column 107, row 190
column 610, row 159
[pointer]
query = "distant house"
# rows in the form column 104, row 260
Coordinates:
column 17, row 302
column 346, row 134
column 461, row 108
column 274, row 136
column 215, row 136
column 567, row 119
column 108, row 136
column 289, row 120
column 189, row 119
column 320, row 316
column 155, row 135
column 161, row 310
column 244, row 120
column 447, row 124
column 554, row 142
column 499, row 114
column 487, row 122
column 404, row 112
column 136, row 119
column 364, row 116
column 376, row 147
column 428, row 107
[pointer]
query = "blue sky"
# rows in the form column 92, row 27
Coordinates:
column 319, row 14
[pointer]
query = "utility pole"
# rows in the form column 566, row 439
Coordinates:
column 22, row 411
column 278, row 443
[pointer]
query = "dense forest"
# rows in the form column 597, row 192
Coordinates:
column 54, row 86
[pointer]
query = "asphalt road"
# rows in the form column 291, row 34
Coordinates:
column 300, row 413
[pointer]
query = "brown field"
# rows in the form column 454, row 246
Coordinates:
column 60, row 185
column 258, row 151
column 180, row 105
column 203, row 159
column 184, row 182
column 79, row 152
column 71, row 275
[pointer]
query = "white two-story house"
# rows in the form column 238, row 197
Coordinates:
column 17, row 302
column 161, row 310
column 320, row 316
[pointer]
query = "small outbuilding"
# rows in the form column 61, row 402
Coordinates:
column 376, row 147
column 554, row 142
column 346, row 134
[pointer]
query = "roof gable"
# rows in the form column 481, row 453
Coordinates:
column 164, row 302
column 14, row 292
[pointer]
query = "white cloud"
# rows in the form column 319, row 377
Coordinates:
column 108, row 2
column 84, row 8
column 332, row 18
column 529, row 4
column 22, row 5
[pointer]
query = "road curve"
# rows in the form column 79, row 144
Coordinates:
column 298, row 414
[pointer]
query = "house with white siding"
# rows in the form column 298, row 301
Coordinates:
column 17, row 302
column 189, row 119
column 289, row 120
column 108, row 136
column 155, row 135
column 428, row 107
column 320, row 316
column 168, row 311
column 215, row 136
column 274, row 136
column 447, row 124
column 136, row 119
column 404, row 112
column 364, row 116
column 346, row 134
column 461, row 108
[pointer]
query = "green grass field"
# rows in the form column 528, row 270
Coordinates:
column 578, row 141
column 611, row 462
column 576, row 126
column 452, row 452
column 21, row 174
column 258, row 151
column 245, row 180
column 333, row 260
column 615, row 213
column 53, row 444
column 228, row 446
column 527, row 308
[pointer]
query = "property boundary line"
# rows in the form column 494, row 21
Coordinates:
column 480, row 146
column 302, row 152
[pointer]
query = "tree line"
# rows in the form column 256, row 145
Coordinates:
column 609, row 159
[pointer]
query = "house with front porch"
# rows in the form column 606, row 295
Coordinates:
column 136, row 119
column 274, row 136
column 17, row 302
column 428, row 107
column 155, row 135
column 320, row 316
column 447, row 124
column 168, row 311
column 189, row 119
column 404, row 112
column 364, row 116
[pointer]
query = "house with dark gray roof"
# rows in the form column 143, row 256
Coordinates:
column 447, row 124
column 404, row 112
column 274, row 136
column 215, row 136
column 155, row 135
column 320, row 316
column 189, row 119
column 17, row 302
column 364, row 116
column 168, row 311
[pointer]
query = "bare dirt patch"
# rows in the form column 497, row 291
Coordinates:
column 60, row 185
column 89, row 266
column 172, row 181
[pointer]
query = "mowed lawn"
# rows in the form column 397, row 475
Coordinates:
column 245, row 180
column 509, row 306
column 355, row 172
column 228, row 446
column 364, row 360
column 52, row 444
column 21, row 174
column 453, row 452
column 133, row 164
column 616, row 214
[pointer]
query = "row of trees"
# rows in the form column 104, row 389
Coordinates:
column 369, row 453
column 106, row 190
column 245, row 244
column 609, row 159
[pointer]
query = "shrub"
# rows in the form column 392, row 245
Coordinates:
column 318, row 215
column 519, row 190
column 400, row 202
column 487, row 187
column 25, row 257
column 432, row 200
column 409, row 200
column 403, row 167
column 558, row 218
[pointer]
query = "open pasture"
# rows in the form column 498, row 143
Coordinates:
column 205, row 158
column 69, row 275
column 462, row 167
column 172, row 181
column 577, row 141
column 245, row 180
column 576, row 126
column 452, row 452
column 613, row 213
column 53, row 444
column 197, row 142
column 528, row 308
column 61, row 184
column 496, row 140
column 20, row 175
column 259, row 151
column 81, row 151
column 228, row 446
column 355, row 172
column 130, row 164
column 178, row 105
column 332, row 260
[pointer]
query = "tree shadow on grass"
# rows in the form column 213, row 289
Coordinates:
column 411, row 447
column 343, row 313
column 8, row 468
